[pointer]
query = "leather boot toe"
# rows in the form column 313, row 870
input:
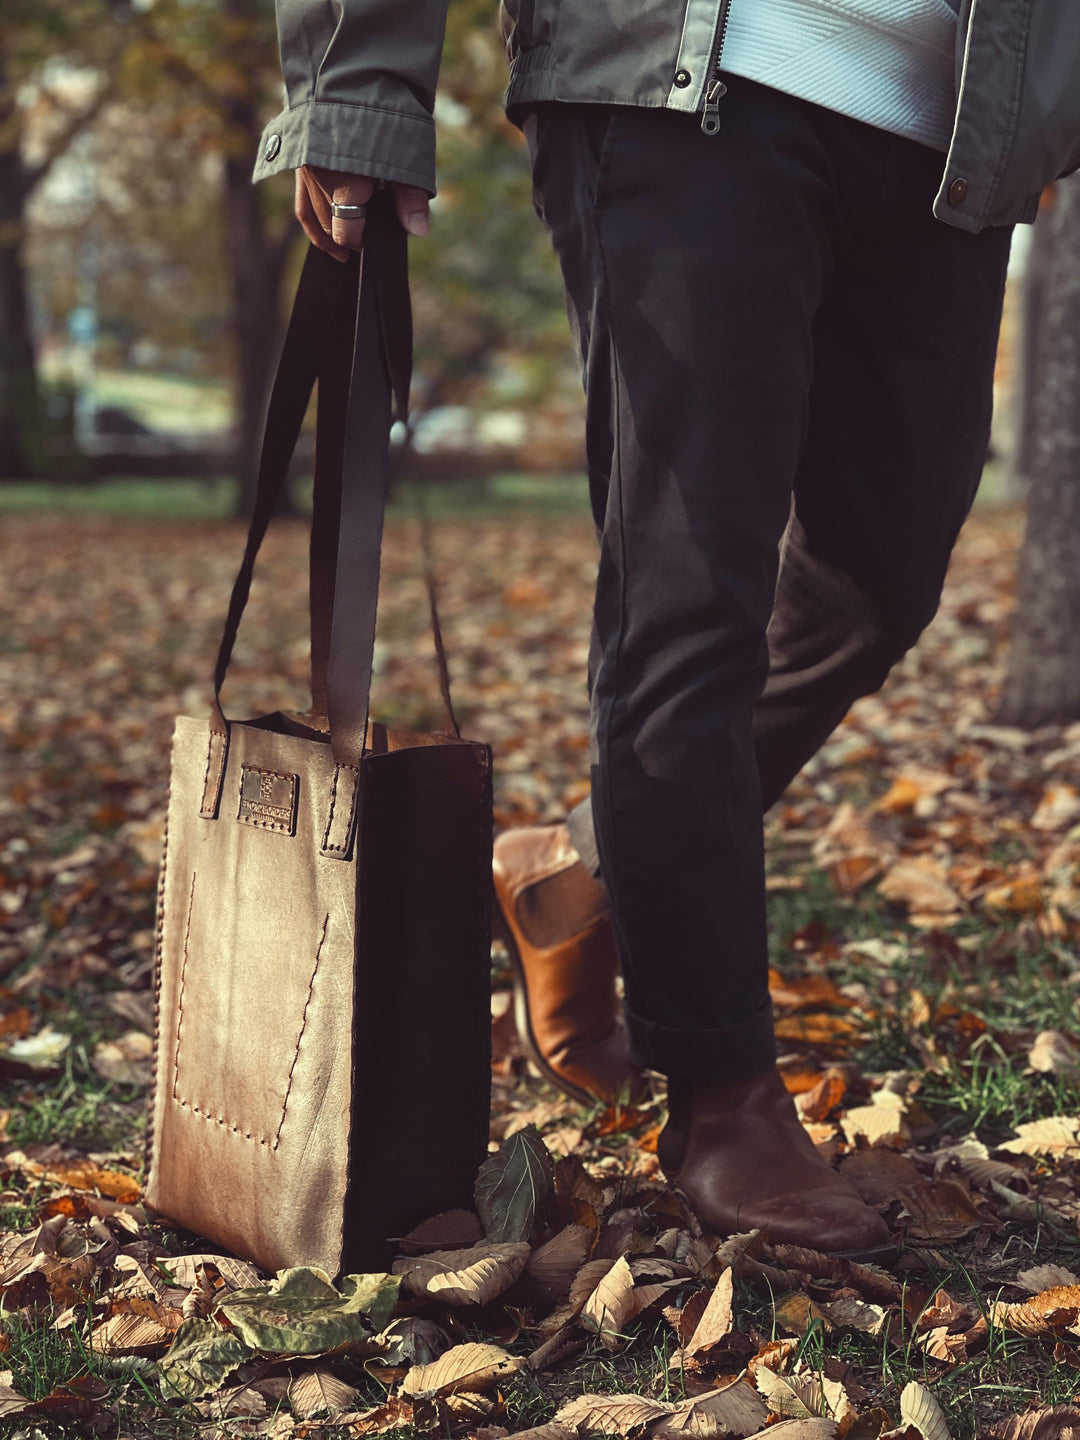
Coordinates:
column 738, row 1152
column 555, row 923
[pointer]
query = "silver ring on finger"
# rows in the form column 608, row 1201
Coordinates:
column 348, row 212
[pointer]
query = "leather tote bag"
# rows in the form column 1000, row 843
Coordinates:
column 322, row 1045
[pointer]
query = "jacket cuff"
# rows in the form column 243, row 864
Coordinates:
column 357, row 139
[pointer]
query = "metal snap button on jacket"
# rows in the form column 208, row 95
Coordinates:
column 273, row 145
column 682, row 78
column 958, row 191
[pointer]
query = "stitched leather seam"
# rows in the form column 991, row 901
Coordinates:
column 148, row 1148
column 339, row 849
column 180, row 993
column 190, row 1104
column 303, row 1027
column 206, row 773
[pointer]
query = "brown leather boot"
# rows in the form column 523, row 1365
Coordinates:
column 738, row 1152
column 556, row 927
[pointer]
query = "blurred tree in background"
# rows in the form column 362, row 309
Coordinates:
column 150, row 247
column 41, row 42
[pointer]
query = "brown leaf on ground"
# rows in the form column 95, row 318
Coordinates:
column 940, row 1210
column 451, row 1230
column 586, row 1281
column 717, row 1319
column 851, row 1314
column 1049, row 1310
column 802, row 1397
column 776, row 1355
column 554, row 1266
column 1059, row 1136
column 1054, row 1053
column 551, row 1431
column 815, row 1429
column 1056, row 1422
column 919, row 1408
column 128, row 1060
column 391, row 1416
column 805, row 992
column 464, row 1277
column 611, row 1305
column 734, row 1410
column 822, row 1100
column 563, row 1345
column 132, row 1334
column 878, row 1174
column 922, row 885
column 612, row 1414
column 796, row 1313
column 817, row 1029
column 320, row 1390
column 1022, row 896
column 1045, row 1277
column 884, row 1122
column 466, row 1367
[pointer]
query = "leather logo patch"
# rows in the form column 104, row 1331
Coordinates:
column 268, row 799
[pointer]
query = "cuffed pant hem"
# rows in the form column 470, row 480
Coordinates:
column 735, row 1052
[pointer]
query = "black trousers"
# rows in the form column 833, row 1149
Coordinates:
column 773, row 327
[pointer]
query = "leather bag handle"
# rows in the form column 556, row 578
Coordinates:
column 351, row 329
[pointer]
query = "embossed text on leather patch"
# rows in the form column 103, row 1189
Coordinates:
column 268, row 799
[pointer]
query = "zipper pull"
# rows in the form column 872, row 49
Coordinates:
column 710, row 119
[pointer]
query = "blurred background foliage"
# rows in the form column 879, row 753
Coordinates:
column 144, row 279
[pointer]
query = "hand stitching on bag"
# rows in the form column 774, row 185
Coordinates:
column 303, row 1027
column 190, row 1104
column 206, row 774
column 340, row 849
column 180, row 994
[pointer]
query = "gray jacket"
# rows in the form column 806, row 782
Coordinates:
column 360, row 83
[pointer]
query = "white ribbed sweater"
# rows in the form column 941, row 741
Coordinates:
column 886, row 62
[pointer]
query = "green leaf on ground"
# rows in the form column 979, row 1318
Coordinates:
column 513, row 1184
column 301, row 1313
column 200, row 1357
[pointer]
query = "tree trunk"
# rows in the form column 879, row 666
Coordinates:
column 1042, row 685
column 255, row 259
column 20, row 405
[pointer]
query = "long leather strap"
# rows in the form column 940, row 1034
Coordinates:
column 352, row 476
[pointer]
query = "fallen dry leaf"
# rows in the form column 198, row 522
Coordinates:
column 883, row 1122
column 611, row 1414
column 1056, row 1422
column 921, row 884
column 1053, row 1309
column 128, row 1061
column 1055, row 1053
column 920, row 1409
column 320, row 1390
column 734, row 1410
column 1059, row 1136
column 471, row 1367
column 451, row 1230
column 611, row 1305
column 717, row 1320
column 553, row 1266
column 1045, row 1277
column 802, row 1397
column 464, row 1277
column 940, row 1210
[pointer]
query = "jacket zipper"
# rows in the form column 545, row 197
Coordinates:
column 710, row 116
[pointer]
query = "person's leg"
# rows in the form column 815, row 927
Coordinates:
column 695, row 267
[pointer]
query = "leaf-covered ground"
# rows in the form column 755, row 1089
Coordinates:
column 925, row 912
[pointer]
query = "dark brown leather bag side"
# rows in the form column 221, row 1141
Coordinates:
column 322, row 1041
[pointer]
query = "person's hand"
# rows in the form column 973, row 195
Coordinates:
column 317, row 189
